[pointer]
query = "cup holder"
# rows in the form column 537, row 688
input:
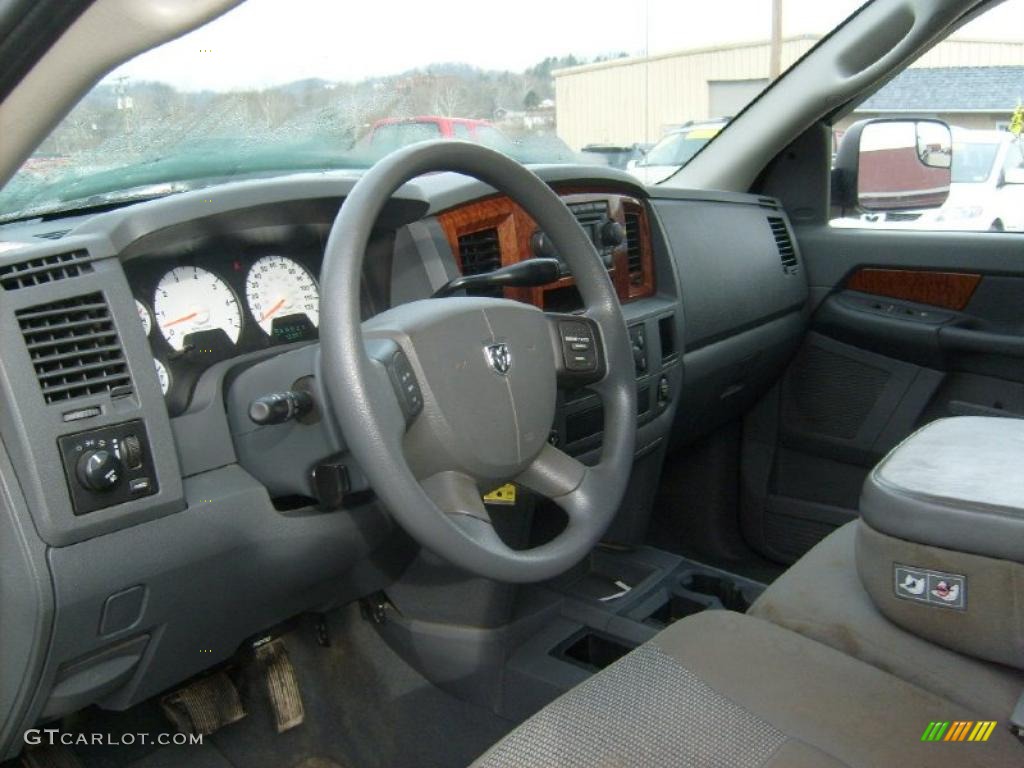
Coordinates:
column 726, row 591
column 697, row 591
column 675, row 608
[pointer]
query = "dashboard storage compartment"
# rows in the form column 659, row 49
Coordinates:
column 940, row 545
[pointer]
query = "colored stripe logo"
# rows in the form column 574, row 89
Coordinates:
column 959, row 730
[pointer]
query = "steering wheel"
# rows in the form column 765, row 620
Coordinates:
column 440, row 400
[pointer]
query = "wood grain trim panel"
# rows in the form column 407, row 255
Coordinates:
column 948, row 290
column 515, row 229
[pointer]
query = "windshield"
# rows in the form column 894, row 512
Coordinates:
column 972, row 162
column 312, row 85
column 678, row 148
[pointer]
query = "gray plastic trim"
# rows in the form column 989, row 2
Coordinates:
column 31, row 427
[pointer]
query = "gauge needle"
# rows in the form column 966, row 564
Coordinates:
column 272, row 310
column 182, row 319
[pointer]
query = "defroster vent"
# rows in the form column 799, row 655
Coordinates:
column 45, row 269
column 74, row 348
column 784, row 242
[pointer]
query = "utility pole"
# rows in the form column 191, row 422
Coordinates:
column 775, row 55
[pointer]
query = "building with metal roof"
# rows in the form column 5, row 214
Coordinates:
column 638, row 99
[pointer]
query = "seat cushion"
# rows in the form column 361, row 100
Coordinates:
column 822, row 597
column 723, row 689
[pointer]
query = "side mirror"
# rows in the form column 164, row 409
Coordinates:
column 1014, row 176
column 893, row 165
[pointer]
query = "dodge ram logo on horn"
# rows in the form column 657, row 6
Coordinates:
column 499, row 357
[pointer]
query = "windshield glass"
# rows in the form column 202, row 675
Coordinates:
column 312, row 85
column 972, row 163
column 678, row 148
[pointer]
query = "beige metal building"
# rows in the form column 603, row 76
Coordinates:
column 636, row 100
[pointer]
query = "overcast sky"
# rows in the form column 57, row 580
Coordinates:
column 268, row 42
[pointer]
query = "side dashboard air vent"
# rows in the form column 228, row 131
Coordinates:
column 634, row 248
column 784, row 242
column 46, row 269
column 74, row 348
column 480, row 252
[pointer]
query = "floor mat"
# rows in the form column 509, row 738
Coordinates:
column 365, row 708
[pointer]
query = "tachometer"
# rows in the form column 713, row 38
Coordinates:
column 278, row 287
column 191, row 299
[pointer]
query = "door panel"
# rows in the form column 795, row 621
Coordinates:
column 908, row 327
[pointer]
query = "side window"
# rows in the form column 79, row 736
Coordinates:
column 1014, row 158
column 974, row 82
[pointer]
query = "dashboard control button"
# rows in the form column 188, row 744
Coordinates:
column 103, row 466
column 99, row 470
column 330, row 484
column 613, row 234
column 131, row 451
column 664, row 392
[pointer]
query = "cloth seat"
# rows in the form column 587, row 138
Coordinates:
column 822, row 597
column 725, row 689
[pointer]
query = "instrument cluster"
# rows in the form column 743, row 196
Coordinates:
column 199, row 310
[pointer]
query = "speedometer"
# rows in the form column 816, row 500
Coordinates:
column 278, row 287
column 191, row 299
column 144, row 318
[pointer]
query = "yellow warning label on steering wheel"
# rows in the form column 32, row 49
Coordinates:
column 506, row 494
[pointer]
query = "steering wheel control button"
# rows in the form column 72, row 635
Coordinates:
column 107, row 466
column 280, row 407
column 579, row 349
column 403, row 379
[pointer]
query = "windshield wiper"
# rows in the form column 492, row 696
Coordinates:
column 105, row 200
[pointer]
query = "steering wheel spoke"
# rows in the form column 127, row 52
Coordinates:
column 554, row 473
column 457, row 495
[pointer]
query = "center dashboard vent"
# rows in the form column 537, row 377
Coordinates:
column 784, row 243
column 75, row 348
column 634, row 250
column 45, row 269
column 480, row 252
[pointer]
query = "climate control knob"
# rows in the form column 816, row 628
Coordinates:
column 99, row 470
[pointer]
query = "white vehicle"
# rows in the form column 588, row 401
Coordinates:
column 987, row 189
column 675, row 149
